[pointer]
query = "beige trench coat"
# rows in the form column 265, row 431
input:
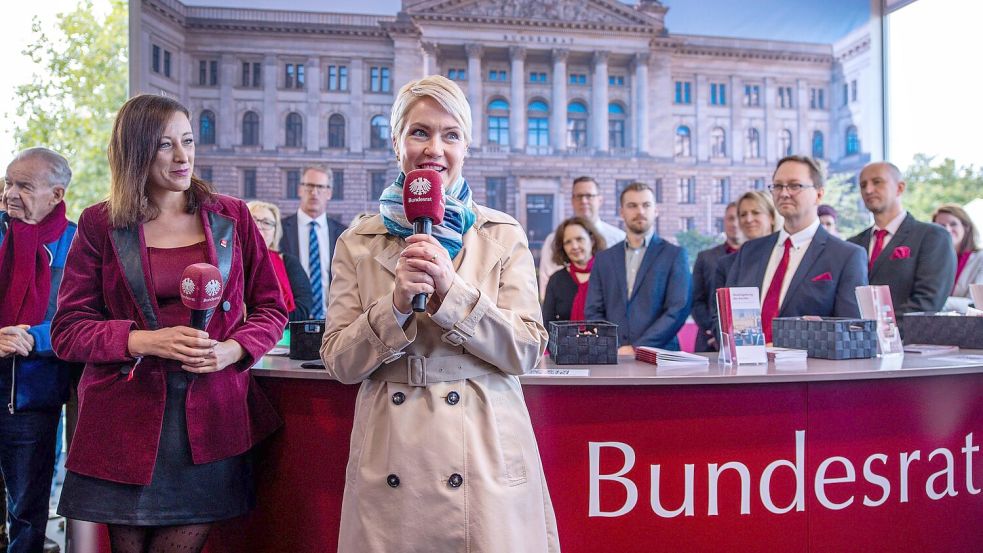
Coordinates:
column 450, row 466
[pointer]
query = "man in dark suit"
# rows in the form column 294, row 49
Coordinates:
column 311, row 236
column 704, row 275
column 801, row 269
column 642, row 284
column 914, row 259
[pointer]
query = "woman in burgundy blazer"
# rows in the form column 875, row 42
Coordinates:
column 162, row 406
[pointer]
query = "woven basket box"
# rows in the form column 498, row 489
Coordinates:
column 827, row 338
column 943, row 330
column 583, row 342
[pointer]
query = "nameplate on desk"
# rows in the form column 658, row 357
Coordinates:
column 559, row 372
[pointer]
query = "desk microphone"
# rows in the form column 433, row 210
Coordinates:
column 201, row 290
column 423, row 202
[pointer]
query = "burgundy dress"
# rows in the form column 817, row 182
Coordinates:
column 180, row 491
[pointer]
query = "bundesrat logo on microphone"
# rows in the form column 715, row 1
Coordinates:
column 212, row 287
column 420, row 186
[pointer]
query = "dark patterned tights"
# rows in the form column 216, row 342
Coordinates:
column 158, row 539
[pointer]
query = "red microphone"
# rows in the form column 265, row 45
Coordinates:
column 423, row 202
column 201, row 290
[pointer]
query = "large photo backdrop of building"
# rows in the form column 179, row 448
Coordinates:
column 558, row 89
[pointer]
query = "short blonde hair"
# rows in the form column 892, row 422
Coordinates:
column 444, row 91
column 256, row 204
column 764, row 201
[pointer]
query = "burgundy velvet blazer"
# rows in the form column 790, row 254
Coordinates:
column 104, row 295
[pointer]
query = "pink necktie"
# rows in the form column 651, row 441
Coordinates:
column 769, row 309
column 878, row 247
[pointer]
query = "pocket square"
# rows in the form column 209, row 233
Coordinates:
column 901, row 252
column 822, row 277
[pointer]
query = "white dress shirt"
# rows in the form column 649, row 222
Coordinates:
column 612, row 235
column 304, row 248
column 891, row 228
column 800, row 243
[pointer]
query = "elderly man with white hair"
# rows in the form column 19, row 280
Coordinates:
column 34, row 239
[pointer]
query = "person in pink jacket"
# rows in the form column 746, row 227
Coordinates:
column 167, row 413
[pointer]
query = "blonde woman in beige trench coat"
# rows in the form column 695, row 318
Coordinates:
column 443, row 456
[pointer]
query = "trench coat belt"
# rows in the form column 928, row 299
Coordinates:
column 417, row 370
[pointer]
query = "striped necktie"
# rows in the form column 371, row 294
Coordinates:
column 314, row 264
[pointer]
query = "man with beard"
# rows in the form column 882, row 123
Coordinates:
column 801, row 269
column 642, row 284
column 914, row 259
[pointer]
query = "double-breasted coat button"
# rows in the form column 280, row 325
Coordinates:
column 393, row 481
column 452, row 398
column 226, row 306
column 455, row 480
column 399, row 398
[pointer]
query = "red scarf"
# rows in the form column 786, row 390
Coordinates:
column 281, row 276
column 961, row 261
column 26, row 268
column 579, row 300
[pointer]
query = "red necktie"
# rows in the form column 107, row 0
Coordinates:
column 878, row 246
column 769, row 309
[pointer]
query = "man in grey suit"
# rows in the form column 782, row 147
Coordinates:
column 914, row 259
column 801, row 269
column 311, row 236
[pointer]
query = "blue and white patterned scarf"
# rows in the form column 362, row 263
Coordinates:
column 458, row 214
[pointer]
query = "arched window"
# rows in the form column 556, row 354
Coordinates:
column 852, row 141
column 616, row 125
column 379, row 133
column 818, row 148
column 336, row 131
column 784, row 143
column 576, row 125
column 753, row 146
column 718, row 142
column 206, row 128
column 539, row 124
column 250, row 129
column 295, row 131
column 683, row 141
column 498, row 122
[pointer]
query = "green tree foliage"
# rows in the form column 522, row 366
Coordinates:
column 70, row 104
column 842, row 193
column 694, row 241
column 931, row 184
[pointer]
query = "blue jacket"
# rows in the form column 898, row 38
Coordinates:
column 658, row 306
column 824, row 283
column 42, row 354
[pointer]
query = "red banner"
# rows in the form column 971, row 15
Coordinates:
column 878, row 465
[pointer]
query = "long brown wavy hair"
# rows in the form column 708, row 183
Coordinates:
column 133, row 147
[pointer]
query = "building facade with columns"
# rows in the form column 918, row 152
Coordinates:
column 558, row 89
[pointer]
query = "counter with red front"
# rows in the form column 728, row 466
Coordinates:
column 863, row 455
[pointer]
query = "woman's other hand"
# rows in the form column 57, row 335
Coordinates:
column 424, row 253
column 221, row 356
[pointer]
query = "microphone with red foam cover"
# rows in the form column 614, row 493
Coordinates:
column 423, row 203
column 201, row 290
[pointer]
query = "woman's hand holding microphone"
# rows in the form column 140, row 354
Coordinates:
column 193, row 348
column 423, row 267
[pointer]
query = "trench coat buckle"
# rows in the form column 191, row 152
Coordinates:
column 416, row 370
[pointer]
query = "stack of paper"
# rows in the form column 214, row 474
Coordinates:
column 785, row 354
column 665, row 358
column 927, row 350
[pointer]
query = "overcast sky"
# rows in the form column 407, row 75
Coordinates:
column 802, row 20
column 932, row 89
